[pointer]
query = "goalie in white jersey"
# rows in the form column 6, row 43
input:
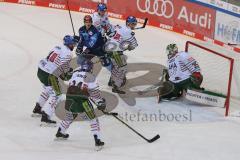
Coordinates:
column 183, row 73
column 83, row 87
column 55, row 65
column 123, row 39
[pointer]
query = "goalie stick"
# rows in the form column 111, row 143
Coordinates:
column 159, row 84
column 144, row 24
column 150, row 88
column 148, row 140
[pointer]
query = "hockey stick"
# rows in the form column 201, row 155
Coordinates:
column 144, row 24
column 159, row 84
column 111, row 113
column 233, row 44
column 70, row 15
column 148, row 140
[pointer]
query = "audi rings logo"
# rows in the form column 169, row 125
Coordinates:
column 156, row 7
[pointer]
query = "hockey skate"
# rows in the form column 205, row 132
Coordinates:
column 46, row 121
column 37, row 111
column 110, row 83
column 98, row 143
column 115, row 89
column 60, row 135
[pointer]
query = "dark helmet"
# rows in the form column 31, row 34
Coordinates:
column 87, row 18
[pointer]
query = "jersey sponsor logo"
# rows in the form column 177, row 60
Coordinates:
column 90, row 33
column 59, row 6
column 161, row 8
column 27, row 2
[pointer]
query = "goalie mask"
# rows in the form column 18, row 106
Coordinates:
column 171, row 50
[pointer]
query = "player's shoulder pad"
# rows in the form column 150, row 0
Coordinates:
column 58, row 47
column 82, row 29
column 94, row 14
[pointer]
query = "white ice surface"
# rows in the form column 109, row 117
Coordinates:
column 27, row 34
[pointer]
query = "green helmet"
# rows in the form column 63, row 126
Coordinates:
column 171, row 50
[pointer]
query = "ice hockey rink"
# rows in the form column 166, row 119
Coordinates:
column 27, row 34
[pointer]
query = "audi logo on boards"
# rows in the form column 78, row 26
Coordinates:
column 156, row 7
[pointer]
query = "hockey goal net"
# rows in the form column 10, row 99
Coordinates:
column 221, row 72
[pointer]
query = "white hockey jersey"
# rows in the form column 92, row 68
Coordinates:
column 57, row 62
column 86, row 82
column 181, row 66
column 123, row 39
column 102, row 23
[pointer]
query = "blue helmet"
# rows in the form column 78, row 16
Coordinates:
column 101, row 7
column 131, row 19
column 69, row 40
column 85, row 64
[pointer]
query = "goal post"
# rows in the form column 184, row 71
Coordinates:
column 219, row 67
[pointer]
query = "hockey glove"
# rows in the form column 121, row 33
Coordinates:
column 86, row 51
column 66, row 76
column 101, row 105
column 130, row 47
column 105, row 60
column 79, row 51
column 76, row 39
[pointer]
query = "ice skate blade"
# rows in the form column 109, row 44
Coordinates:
column 60, row 139
column 36, row 115
column 44, row 124
column 98, row 148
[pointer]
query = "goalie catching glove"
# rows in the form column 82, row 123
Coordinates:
column 66, row 76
